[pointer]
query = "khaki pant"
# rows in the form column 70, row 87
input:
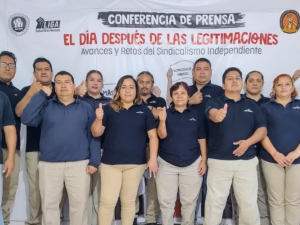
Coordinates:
column 169, row 178
column 35, row 205
column 10, row 186
column 94, row 198
column 52, row 178
column 262, row 199
column 283, row 187
column 123, row 181
column 242, row 175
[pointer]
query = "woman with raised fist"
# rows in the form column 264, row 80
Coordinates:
column 126, row 124
column 182, row 156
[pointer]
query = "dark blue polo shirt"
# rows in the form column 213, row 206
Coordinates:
column 260, row 101
column 155, row 101
column 13, row 95
column 242, row 120
column 94, row 102
column 6, row 117
column 34, row 133
column 126, row 134
column 209, row 91
column 66, row 130
column 181, row 147
column 283, row 127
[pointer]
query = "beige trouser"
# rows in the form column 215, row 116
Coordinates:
column 262, row 199
column 123, row 181
column 35, row 207
column 242, row 175
column 52, row 178
column 283, row 188
column 10, row 186
column 153, row 209
column 169, row 178
column 94, row 198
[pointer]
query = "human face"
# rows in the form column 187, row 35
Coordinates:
column 128, row 91
column 233, row 82
column 254, row 84
column 145, row 84
column 64, row 87
column 7, row 73
column 284, row 87
column 94, row 83
column 202, row 73
column 43, row 73
column 180, row 97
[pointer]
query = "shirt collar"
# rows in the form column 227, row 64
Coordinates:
column 172, row 109
column 55, row 98
column 262, row 97
column 229, row 99
column 101, row 94
column 2, row 82
column 274, row 100
column 209, row 84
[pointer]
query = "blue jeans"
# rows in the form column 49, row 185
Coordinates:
column 1, row 192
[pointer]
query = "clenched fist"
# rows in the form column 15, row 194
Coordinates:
column 99, row 112
column 221, row 114
column 162, row 114
column 35, row 87
column 196, row 98
column 81, row 89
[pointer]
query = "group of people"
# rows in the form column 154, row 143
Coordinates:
column 208, row 134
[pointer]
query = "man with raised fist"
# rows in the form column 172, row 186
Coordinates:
column 8, row 69
column 145, row 82
column 42, row 79
column 236, row 124
column 68, row 152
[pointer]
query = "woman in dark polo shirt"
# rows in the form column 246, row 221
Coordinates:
column 182, row 143
column 126, row 124
column 280, row 160
column 93, row 96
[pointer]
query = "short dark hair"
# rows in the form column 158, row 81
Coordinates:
column 93, row 71
column 201, row 60
column 65, row 73
column 41, row 59
column 175, row 88
column 229, row 70
column 253, row 71
column 145, row 72
column 10, row 54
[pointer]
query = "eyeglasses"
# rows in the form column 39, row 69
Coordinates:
column 10, row 65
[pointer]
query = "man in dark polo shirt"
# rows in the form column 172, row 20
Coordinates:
column 7, row 72
column 146, row 81
column 69, row 153
column 254, row 83
column 43, row 74
column 7, row 123
column 201, row 92
column 236, row 124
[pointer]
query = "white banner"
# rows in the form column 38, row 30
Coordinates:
column 165, row 38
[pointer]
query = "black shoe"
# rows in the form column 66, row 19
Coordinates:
column 135, row 221
column 151, row 223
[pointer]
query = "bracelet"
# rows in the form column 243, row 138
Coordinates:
column 275, row 154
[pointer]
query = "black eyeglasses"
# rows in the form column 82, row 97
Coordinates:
column 10, row 65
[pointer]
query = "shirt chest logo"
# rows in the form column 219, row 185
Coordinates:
column 248, row 110
column 296, row 107
column 139, row 112
column 152, row 102
column 207, row 96
column 15, row 94
column 192, row 119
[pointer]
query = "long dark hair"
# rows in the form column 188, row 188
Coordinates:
column 116, row 103
column 175, row 88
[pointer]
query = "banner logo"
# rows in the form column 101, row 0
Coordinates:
column 18, row 24
column 171, row 20
column 289, row 21
column 47, row 26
